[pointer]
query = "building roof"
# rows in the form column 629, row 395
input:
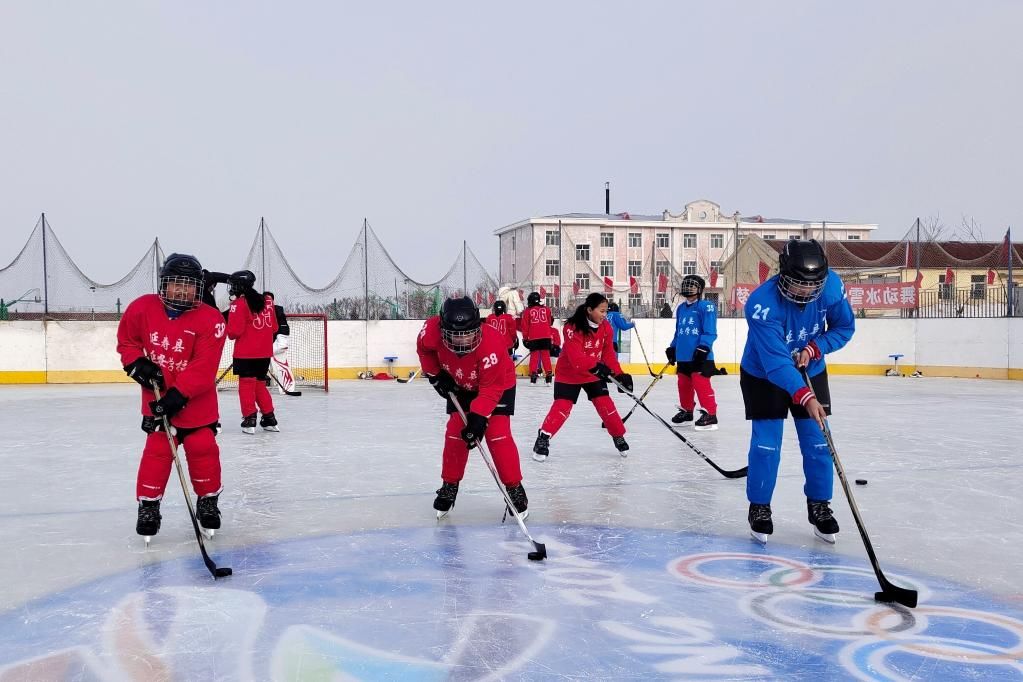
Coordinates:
column 902, row 254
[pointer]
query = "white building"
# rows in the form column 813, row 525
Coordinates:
column 643, row 257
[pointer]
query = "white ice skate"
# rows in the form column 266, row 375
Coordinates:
column 760, row 538
column 826, row 537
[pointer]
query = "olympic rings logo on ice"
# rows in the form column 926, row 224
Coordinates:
column 835, row 602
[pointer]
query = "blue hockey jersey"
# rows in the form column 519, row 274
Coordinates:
column 696, row 324
column 777, row 327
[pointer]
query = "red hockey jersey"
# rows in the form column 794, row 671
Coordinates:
column 487, row 370
column 535, row 323
column 582, row 352
column 506, row 327
column 252, row 333
column 187, row 348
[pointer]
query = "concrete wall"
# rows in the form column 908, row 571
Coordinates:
column 82, row 352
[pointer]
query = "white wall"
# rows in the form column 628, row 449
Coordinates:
column 995, row 343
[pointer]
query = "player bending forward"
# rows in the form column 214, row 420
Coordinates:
column 173, row 341
column 459, row 354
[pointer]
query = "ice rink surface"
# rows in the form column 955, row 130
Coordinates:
column 341, row 570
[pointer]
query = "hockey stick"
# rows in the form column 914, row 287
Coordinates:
column 541, row 549
column 643, row 350
column 286, row 391
column 214, row 571
column 889, row 592
column 224, row 374
column 522, row 359
column 738, row 473
column 405, row 380
column 657, row 378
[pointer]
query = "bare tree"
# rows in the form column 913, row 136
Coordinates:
column 971, row 230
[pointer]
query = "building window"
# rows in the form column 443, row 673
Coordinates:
column 978, row 286
column 715, row 266
column 663, row 240
column 607, row 268
column 794, row 236
column 945, row 290
column 688, row 267
column 659, row 301
column 770, row 236
column 717, row 241
column 635, row 240
column 689, row 241
column 635, row 268
column 662, row 267
column 553, row 268
column 853, row 236
column 607, row 239
column 582, row 280
column 582, row 252
column 635, row 301
column 742, row 238
column 553, row 238
column 550, row 302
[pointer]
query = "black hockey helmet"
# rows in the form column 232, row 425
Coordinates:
column 803, row 270
column 181, row 282
column 533, row 299
column 241, row 281
column 612, row 307
column 500, row 307
column 460, row 325
column 692, row 285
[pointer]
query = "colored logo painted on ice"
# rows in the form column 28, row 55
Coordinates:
column 464, row 603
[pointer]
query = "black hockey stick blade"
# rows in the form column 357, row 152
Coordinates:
column 410, row 377
column 286, row 391
column 540, row 554
column 899, row 595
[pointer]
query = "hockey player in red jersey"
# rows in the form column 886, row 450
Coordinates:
column 587, row 360
column 535, row 325
column 251, row 324
column 505, row 324
column 174, row 341
column 459, row 354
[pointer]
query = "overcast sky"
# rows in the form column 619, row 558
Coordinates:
column 438, row 121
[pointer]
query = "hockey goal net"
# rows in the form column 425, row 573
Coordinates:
column 306, row 354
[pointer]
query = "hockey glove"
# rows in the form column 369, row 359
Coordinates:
column 146, row 372
column 602, row 371
column 669, row 353
column 515, row 345
column 443, row 384
column 472, row 434
column 700, row 354
column 625, row 380
column 169, row 405
column 555, row 351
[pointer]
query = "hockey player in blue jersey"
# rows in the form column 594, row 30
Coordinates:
column 692, row 351
column 794, row 319
column 618, row 324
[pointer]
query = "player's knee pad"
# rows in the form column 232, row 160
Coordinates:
column 202, row 443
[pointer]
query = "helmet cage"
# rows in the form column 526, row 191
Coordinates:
column 800, row 291
column 462, row 342
column 174, row 292
column 690, row 287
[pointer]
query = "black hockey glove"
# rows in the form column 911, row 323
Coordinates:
column 472, row 434
column 169, row 405
column 146, row 372
column 555, row 351
column 625, row 380
column 602, row 371
column 515, row 345
column 528, row 344
column 700, row 354
column 443, row 384
column 669, row 353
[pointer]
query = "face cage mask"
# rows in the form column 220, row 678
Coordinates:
column 787, row 284
column 690, row 289
column 462, row 343
column 181, row 304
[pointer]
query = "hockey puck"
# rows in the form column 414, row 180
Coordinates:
column 861, row 481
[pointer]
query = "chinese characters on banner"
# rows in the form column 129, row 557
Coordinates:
column 741, row 292
column 896, row 295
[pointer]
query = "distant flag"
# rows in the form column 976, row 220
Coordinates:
column 479, row 297
column 662, row 283
column 575, row 288
column 765, row 271
column 543, row 292
column 950, row 277
column 633, row 285
column 557, row 293
column 990, row 277
column 714, row 278
column 608, row 285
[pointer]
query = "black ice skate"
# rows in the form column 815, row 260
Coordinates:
column 518, row 497
column 208, row 514
column 148, row 523
column 269, row 422
column 824, row 524
column 706, row 422
column 549, row 377
column 446, row 495
column 760, row 524
column 620, row 443
column 682, row 417
column 249, row 423
column 542, row 446
column 532, row 377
